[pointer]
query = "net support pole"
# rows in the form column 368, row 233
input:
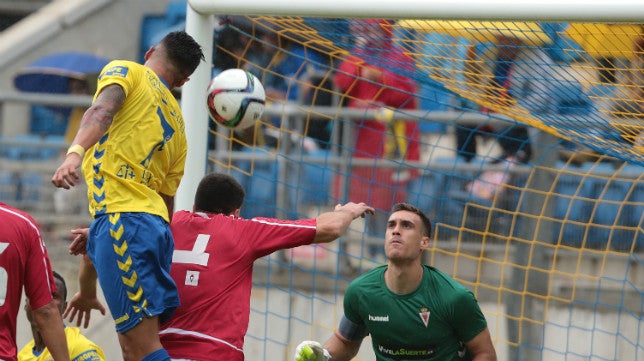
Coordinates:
column 193, row 107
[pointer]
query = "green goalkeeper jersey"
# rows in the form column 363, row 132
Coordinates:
column 430, row 323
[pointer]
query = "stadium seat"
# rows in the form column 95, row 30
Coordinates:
column 438, row 190
column 310, row 183
column 424, row 192
column 31, row 149
column 433, row 97
column 8, row 187
column 46, row 121
column 485, row 214
column 635, row 210
column 155, row 26
column 175, row 12
column 573, row 204
column 638, row 215
column 611, row 215
column 570, row 98
column 603, row 92
column 260, row 185
column 31, row 190
column 55, row 145
column 4, row 149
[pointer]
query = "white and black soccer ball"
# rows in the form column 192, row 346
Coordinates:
column 235, row 99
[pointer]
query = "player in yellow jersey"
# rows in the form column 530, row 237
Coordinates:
column 80, row 347
column 132, row 147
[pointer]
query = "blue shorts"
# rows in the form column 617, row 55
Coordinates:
column 132, row 254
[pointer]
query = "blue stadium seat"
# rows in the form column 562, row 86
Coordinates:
column 175, row 12
column 8, row 187
column 46, row 121
column 433, row 191
column 638, row 215
column 484, row 214
column 573, row 204
column 260, row 186
column 19, row 152
column 569, row 97
column 433, row 97
column 611, row 214
column 4, row 149
column 31, row 149
column 30, row 189
column 150, row 26
column 56, row 144
column 603, row 90
column 635, row 202
column 155, row 26
column 453, row 197
column 311, row 182
column 424, row 192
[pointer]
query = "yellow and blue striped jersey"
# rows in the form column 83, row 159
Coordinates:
column 144, row 150
column 80, row 349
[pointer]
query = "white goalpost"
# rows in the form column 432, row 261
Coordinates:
column 199, row 24
column 563, row 240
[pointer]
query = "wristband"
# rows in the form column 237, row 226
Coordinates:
column 76, row 148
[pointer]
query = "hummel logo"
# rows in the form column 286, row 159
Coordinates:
column 379, row 318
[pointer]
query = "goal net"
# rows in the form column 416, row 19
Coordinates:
column 523, row 142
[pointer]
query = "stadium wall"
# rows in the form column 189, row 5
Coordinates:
column 69, row 25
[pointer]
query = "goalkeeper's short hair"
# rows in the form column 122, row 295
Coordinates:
column 427, row 224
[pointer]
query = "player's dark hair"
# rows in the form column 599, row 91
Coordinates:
column 219, row 193
column 183, row 51
column 423, row 217
column 62, row 290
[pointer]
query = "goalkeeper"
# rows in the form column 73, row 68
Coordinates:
column 412, row 311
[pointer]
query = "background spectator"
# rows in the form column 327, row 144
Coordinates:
column 289, row 71
column 513, row 79
column 372, row 77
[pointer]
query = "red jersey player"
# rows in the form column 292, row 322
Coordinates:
column 24, row 262
column 213, row 265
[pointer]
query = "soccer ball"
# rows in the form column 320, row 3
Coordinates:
column 235, row 99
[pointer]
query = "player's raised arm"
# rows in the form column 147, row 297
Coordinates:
column 331, row 225
column 96, row 120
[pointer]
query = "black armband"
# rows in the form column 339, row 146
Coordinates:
column 351, row 331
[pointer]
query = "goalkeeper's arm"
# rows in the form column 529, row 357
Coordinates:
column 343, row 345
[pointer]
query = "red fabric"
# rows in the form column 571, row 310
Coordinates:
column 385, row 25
column 23, row 262
column 213, row 317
